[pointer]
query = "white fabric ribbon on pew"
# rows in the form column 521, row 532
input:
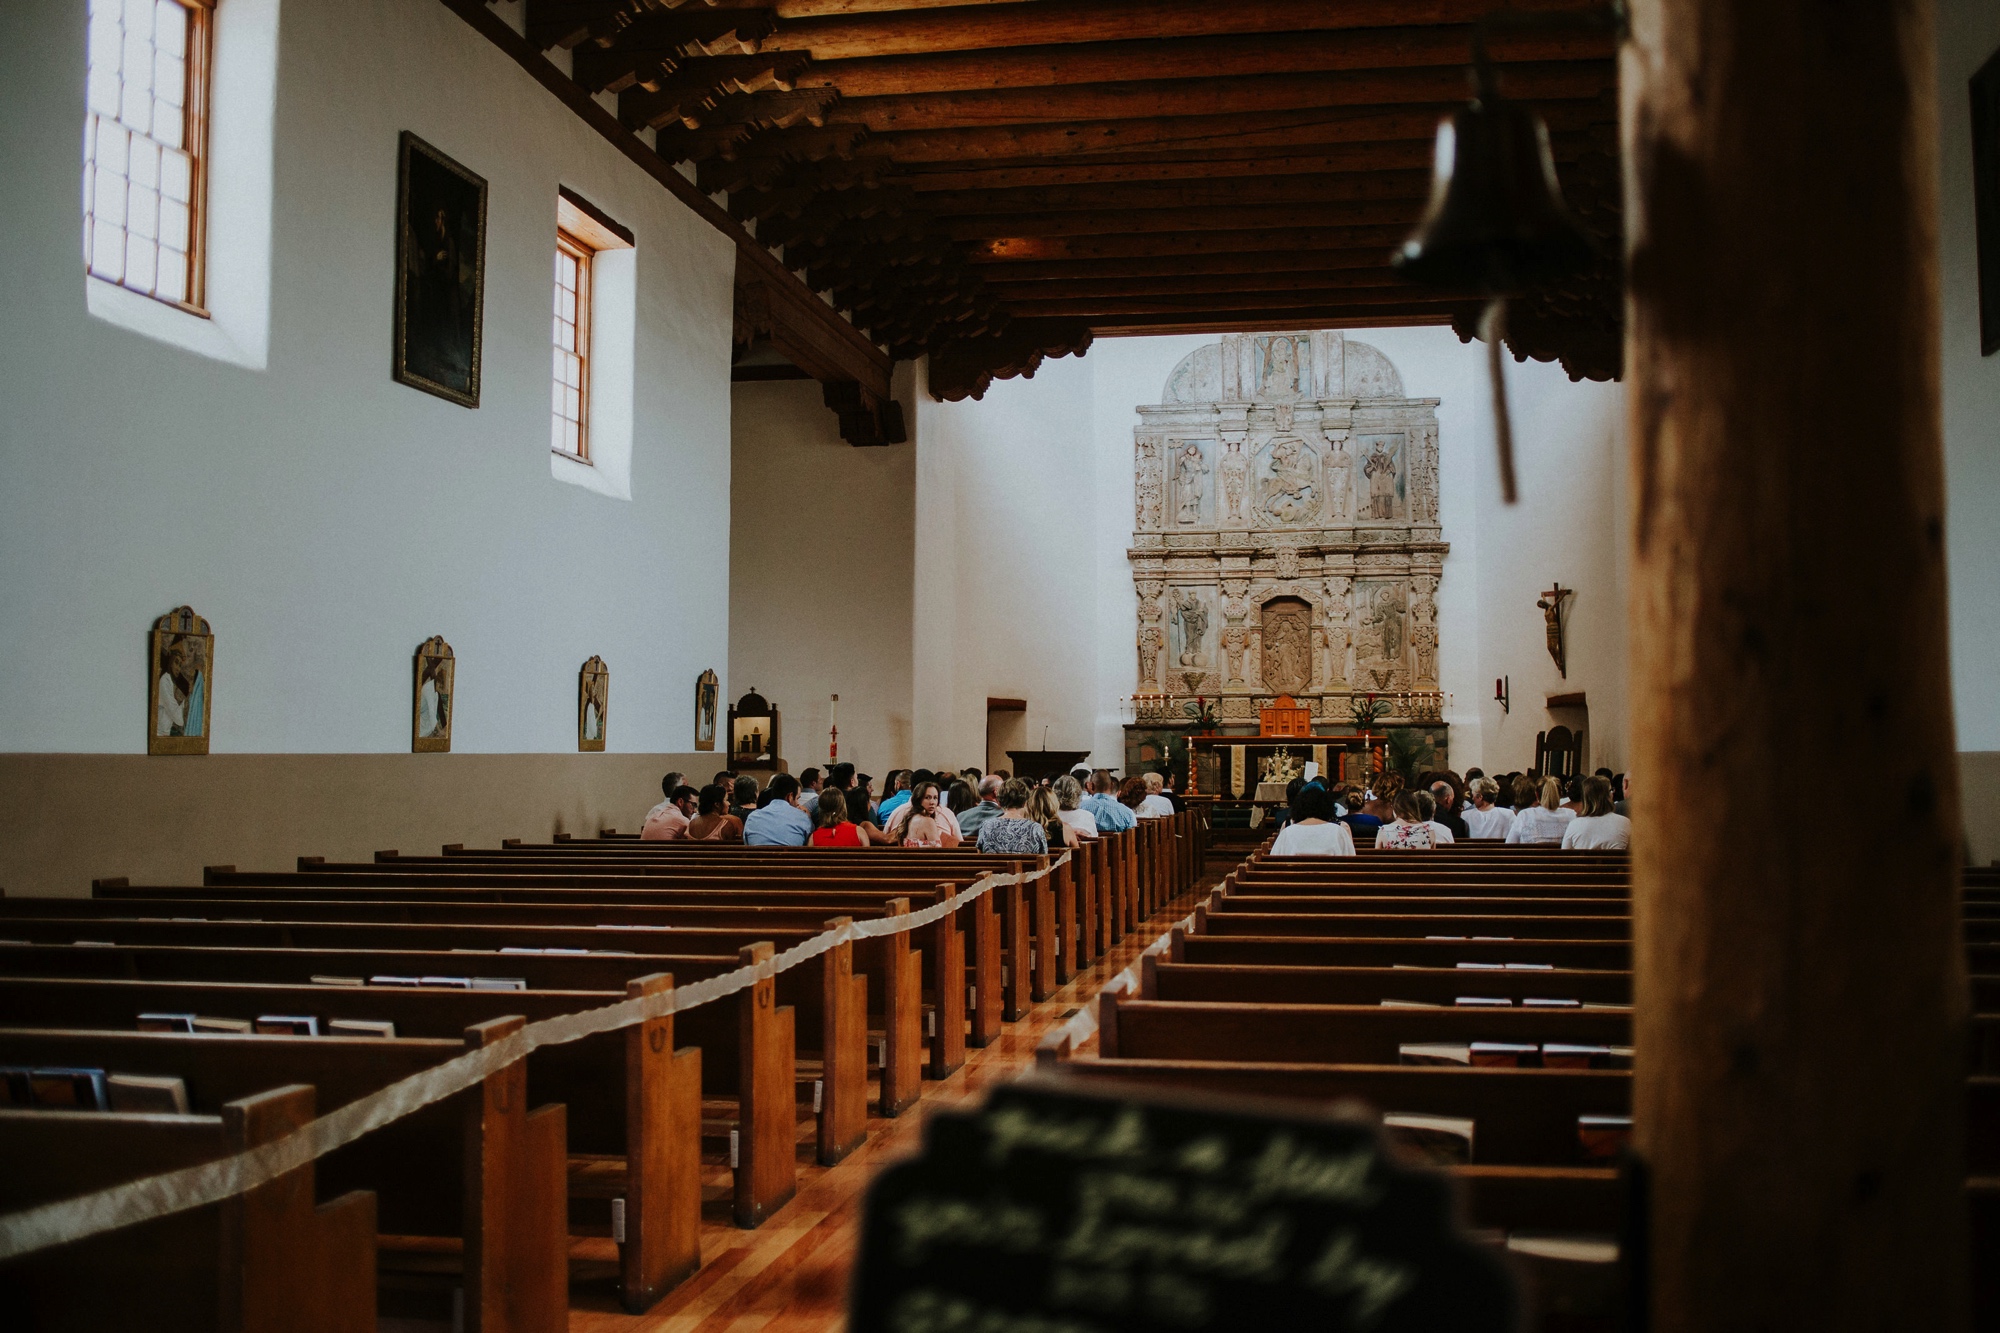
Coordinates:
column 1083, row 1023
column 67, row 1220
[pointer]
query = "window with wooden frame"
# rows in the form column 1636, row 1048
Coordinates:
column 582, row 231
column 145, row 140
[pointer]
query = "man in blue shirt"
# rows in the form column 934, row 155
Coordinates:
column 779, row 822
column 1111, row 816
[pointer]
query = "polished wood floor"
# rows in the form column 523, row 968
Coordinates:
column 790, row 1275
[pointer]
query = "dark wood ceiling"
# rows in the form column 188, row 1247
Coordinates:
column 993, row 181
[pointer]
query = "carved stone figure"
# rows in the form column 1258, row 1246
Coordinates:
column 1424, row 477
column 1380, row 469
column 1290, row 494
column 1287, row 562
column 1281, row 369
column 1338, row 467
column 1235, row 482
column 1335, row 610
column 1378, row 644
column 1193, row 618
column 1150, row 643
column 1235, row 640
column 1190, row 483
column 1423, row 627
column 1287, row 648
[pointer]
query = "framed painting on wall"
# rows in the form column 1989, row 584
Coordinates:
column 707, row 690
column 430, row 725
column 440, row 272
column 1986, row 198
column 180, row 700
column 593, row 699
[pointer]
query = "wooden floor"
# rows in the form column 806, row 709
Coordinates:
column 790, row 1275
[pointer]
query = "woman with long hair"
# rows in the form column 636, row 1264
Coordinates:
column 713, row 822
column 831, row 825
column 1411, row 830
column 1546, row 820
column 1599, row 828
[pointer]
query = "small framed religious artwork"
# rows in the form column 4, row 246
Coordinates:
column 593, row 700
column 180, row 700
column 440, row 272
column 430, row 728
column 707, row 689
column 1986, row 198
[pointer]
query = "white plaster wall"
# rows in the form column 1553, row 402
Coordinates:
column 822, row 540
column 324, row 518
column 1007, row 602
column 1969, row 33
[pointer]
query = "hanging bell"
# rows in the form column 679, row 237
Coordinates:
column 1496, row 222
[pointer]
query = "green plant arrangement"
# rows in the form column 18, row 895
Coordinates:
column 1408, row 753
column 1202, row 711
column 1368, row 711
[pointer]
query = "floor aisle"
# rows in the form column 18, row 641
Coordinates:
column 790, row 1275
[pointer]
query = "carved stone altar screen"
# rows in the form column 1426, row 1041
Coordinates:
column 1286, row 516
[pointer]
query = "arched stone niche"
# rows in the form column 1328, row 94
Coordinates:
column 1285, row 526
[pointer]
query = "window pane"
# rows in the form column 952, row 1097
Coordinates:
column 176, row 176
column 103, row 94
column 170, row 32
column 144, row 169
column 142, row 208
column 110, row 198
column 168, row 123
column 140, row 256
column 173, row 275
column 113, row 146
column 108, row 252
column 173, row 225
column 139, row 17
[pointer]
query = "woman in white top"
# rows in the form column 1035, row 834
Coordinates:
column 1485, row 819
column 1069, row 800
column 1599, row 828
column 1312, row 831
column 1413, row 828
column 1545, row 821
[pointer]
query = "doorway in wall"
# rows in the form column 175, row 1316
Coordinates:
column 1006, row 729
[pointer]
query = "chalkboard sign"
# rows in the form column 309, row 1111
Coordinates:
column 1055, row 1207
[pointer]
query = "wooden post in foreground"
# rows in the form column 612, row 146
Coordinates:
column 1801, row 989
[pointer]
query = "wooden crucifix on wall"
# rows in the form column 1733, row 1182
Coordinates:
column 1551, row 603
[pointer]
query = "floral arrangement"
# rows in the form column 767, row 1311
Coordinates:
column 1202, row 711
column 1368, row 711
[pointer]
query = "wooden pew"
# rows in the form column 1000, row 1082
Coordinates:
column 470, row 1193
column 267, row 1261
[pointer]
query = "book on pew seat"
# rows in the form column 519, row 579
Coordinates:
column 1484, row 1002
column 166, row 1022
column 1495, row 939
column 385, row 980
column 1484, row 967
column 1505, row 1055
column 92, row 944
column 288, row 1025
column 1444, row 937
column 1410, row 1004
column 495, row 983
column 1560, row 1055
column 1441, row 1140
column 1535, row 1003
column 1434, row 1053
column 360, row 1027
column 1621, row 1057
column 320, row 979
column 160, row 1094
column 55, row 1088
column 221, row 1024
column 15, row 941
column 1531, row 967
column 1598, row 1005
column 1602, row 1137
column 454, row 983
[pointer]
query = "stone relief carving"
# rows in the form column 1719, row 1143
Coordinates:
column 1423, row 628
column 1190, row 483
column 1285, row 527
column 1146, row 486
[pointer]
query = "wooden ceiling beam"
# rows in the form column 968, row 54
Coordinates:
column 1565, row 80
column 1007, row 228
column 1318, row 298
column 1262, row 321
column 811, row 9
column 1021, row 276
column 604, row 72
column 1282, row 130
column 1231, row 194
column 1212, row 164
column 984, row 28
column 1153, row 58
column 1166, row 282
column 1154, row 245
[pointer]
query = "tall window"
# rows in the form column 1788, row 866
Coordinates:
column 583, row 234
column 570, row 428
column 144, row 146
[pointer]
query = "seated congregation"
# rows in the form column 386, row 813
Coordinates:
column 1442, row 808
